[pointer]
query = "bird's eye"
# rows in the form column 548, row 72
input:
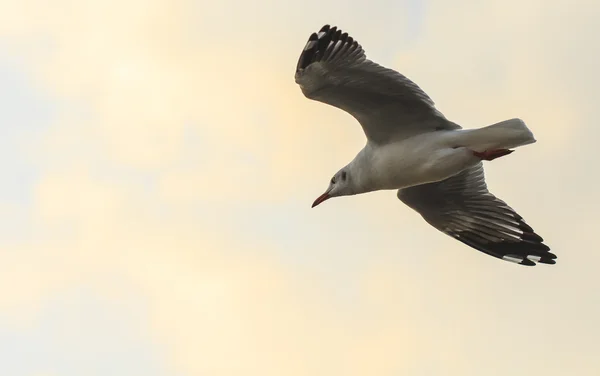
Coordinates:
column 333, row 180
column 343, row 175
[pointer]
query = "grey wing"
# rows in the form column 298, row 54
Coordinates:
column 462, row 207
column 333, row 69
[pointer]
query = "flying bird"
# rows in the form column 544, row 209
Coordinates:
column 435, row 165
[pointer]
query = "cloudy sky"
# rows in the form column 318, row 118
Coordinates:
column 158, row 165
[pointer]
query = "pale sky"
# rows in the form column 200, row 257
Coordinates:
column 159, row 163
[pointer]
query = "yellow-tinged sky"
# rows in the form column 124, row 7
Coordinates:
column 159, row 163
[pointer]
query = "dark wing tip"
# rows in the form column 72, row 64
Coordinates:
column 527, row 250
column 463, row 208
column 324, row 46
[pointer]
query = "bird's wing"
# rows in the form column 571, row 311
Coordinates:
column 462, row 207
column 333, row 69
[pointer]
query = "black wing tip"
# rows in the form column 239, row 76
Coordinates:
column 528, row 250
column 531, row 260
column 535, row 251
column 519, row 254
column 319, row 43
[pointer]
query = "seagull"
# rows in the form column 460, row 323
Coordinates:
column 436, row 166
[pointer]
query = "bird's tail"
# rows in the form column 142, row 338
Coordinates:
column 506, row 134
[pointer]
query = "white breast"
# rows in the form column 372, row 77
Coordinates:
column 421, row 159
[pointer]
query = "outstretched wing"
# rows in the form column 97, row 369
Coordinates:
column 333, row 69
column 462, row 207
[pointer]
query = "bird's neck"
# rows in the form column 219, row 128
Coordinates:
column 364, row 175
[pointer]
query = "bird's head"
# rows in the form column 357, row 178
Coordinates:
column 341, row 184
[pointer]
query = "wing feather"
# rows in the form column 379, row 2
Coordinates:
column 334, row 69
column 462, row 208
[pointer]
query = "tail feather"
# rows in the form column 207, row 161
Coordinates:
column 507, row 134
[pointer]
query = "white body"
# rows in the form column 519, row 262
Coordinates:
column 434, row 156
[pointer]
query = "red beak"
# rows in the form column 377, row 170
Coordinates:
column 320, row 199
